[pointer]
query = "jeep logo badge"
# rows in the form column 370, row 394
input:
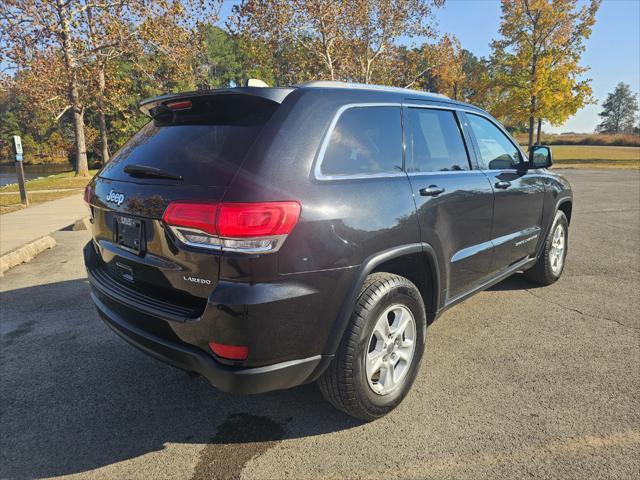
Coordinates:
column 115, row 197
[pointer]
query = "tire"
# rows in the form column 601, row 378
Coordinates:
column 345, row 383
column 546, row 271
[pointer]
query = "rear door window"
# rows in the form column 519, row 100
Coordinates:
column 434, row 141
column 365, row 141
column 205, row 144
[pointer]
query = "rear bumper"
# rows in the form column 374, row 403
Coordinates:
column 229, row 379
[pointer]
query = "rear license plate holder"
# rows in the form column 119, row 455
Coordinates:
column 128, row 233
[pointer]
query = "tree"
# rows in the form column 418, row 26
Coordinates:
column 537, row 59
column 33, row 30
column 372, row 28
column 42, row 136
column 619, row 111
column 66, row 53
column 223, row 57
column 110, row 36
column 335, row 39
column 438, row 67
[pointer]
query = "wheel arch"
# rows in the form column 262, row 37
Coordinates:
column 396, row 260
column 566, row 206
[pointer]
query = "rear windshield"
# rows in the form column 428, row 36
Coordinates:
column 205, row 145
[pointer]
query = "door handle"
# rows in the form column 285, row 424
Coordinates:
column 503, row 184
column 431, row 191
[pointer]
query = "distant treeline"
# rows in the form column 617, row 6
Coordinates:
column 602, row 139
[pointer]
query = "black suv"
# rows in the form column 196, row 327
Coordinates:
column 269, row 237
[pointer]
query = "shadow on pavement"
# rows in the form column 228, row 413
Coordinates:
column 75, row 397
column 514, row 282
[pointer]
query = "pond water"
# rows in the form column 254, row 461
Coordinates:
column 8, row 172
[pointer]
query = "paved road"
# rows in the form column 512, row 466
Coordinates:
column 517, row 381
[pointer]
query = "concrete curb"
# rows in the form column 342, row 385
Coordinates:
column 25, row 253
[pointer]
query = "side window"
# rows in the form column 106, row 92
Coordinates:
column 496, row 150
column 434, row 141
column 365, row 140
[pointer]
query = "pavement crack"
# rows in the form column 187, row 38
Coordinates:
column 580, row 312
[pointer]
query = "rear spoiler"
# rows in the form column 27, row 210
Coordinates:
column 275, row 94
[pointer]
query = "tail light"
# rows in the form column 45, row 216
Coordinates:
column 236, row 227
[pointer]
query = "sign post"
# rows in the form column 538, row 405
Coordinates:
column 17, row 151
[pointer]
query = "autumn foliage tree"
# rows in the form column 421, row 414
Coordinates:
column 340, row 39
column 65, row 53
column 34, row 31
column 537, row 59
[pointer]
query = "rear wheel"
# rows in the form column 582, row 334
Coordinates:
column 550, row 265
column 380, row 353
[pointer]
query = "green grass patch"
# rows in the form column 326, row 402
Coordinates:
column 11, row 202
column 53, row 182
column 67, row 182
column 607, row 140
column 595, row 156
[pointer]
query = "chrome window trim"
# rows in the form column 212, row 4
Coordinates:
column 442, row 172
column 317, row 169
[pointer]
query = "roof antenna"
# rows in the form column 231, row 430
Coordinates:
column 254, row 82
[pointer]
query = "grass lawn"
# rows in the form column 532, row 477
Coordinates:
column 53, row 182
column 587, row 156
column 68, row 182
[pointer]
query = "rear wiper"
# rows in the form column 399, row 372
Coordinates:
column 147, row 171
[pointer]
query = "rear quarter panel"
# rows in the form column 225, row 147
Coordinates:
column 342, row 221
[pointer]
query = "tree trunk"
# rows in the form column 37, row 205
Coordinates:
column 82, row 168
column 532, row 120
column 539, row 131
column 102, row 123
column 532, row 107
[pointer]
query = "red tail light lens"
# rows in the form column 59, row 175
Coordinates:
column 200, row 216
column 242, row 220
column 241, row 227
column 231, row 352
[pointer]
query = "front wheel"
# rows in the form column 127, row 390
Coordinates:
column 550, row 265
column 380, row 353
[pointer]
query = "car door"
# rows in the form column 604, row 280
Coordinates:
column 453, row 201
column 518, row 192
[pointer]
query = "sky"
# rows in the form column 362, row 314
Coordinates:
column 612, row 52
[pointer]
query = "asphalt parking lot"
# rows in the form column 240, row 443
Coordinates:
column 516, row 382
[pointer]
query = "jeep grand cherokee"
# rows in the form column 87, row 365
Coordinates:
column 269, row 237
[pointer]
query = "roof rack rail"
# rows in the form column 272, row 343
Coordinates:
column 364, row 86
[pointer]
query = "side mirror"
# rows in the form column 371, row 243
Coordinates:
column 540, row 157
